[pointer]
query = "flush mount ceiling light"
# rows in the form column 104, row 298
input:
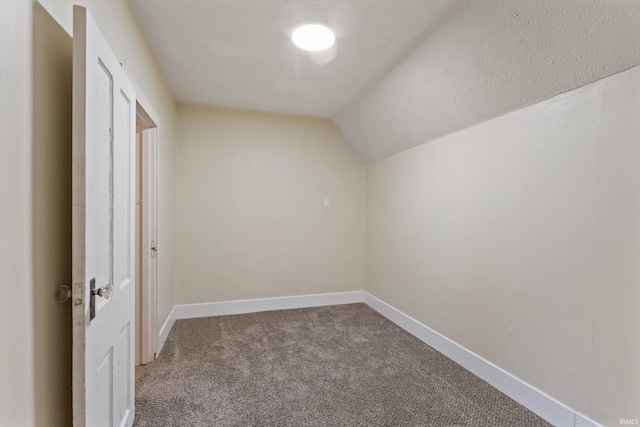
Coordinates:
column 313, row 36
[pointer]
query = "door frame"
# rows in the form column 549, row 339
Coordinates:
column 148, row 304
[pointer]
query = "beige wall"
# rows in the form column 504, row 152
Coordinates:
column 250, row 218
column 519, row 238
column 17, row 403
column 35, row 184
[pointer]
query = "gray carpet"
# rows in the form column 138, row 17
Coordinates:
column 330, row 366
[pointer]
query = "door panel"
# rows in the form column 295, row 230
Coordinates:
column 103, row 162
column 122, row 195
column 104, row 386
column 124, row 374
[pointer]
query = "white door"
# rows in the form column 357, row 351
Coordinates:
column 104, row 107
column 149, row 245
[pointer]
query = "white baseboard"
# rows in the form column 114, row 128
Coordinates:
column 584, row 421
column 190, row 311
column 166, row 328
column 555, row 412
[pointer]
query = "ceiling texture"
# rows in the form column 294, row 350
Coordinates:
column 239, row 53
column 401, row 72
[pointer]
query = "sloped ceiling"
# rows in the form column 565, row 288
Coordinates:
column 239, row 53
column 403, row 72
column 486, row 58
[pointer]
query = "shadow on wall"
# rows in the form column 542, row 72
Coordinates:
column 52, row 130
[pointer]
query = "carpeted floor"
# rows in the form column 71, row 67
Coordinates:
column 330, row 366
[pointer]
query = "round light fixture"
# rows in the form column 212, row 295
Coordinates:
column 313, row 37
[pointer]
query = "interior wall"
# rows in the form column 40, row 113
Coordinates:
column 250, row 219
column 519, row 238
column 17, row 401
column 35, row 183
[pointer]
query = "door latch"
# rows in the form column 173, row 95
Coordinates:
column 105, row 292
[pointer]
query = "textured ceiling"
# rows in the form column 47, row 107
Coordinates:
column 402, row 72
column 485, row 58
column 239, row 53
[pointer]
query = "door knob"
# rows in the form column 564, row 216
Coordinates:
column 64, row 293
column 105, row 291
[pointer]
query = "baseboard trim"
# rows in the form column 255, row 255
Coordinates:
column 166, row 328
column 584, row 421
column 555, row 412
column 552, row 410
column 224, row 308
